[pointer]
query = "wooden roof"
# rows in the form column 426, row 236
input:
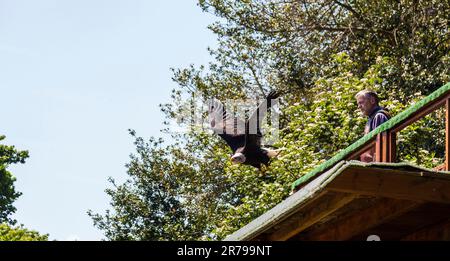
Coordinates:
column 353, row 200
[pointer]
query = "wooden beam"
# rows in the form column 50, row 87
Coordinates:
column 355, row 155
column 311, row 215
column 440, row 167
column 378, row 148
column 399, row 184
column 421, row 113
column 358, row 222
column 447, row 133
column 385, row 145
column 440, row 231
column 392, row 136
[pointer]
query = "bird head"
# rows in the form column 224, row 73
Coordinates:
column 238, row 158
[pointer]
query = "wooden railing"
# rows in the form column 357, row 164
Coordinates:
column 384, row 144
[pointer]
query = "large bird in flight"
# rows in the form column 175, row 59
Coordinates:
column 243, row 136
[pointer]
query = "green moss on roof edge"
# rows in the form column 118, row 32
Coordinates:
column 383, row 127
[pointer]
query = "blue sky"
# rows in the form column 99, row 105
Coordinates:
column 74, row 76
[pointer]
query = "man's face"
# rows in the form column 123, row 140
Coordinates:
column 366, row 104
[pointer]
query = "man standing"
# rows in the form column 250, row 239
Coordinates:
column 368, row 104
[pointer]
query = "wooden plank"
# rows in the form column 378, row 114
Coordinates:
column 378, row 148
column 358, row 222
column 310, row 215
column 392, row 136
column 440, row 167
column 385, row 144
column 389, row 183
column 447, row 133
column 440, row 231
column 355, row 155
column 421, row 113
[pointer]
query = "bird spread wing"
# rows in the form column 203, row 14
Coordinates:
column 226, row 125
column 253, row 133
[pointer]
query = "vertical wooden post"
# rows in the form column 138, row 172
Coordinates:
column 385, row 144
column 447, row 130
column 392, row 137
column 378, row 148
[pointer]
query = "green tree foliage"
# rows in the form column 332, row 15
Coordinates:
column 171, row 193
column 19, row 233
column 320, row 54
column 8, row 194
column 289, row 42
